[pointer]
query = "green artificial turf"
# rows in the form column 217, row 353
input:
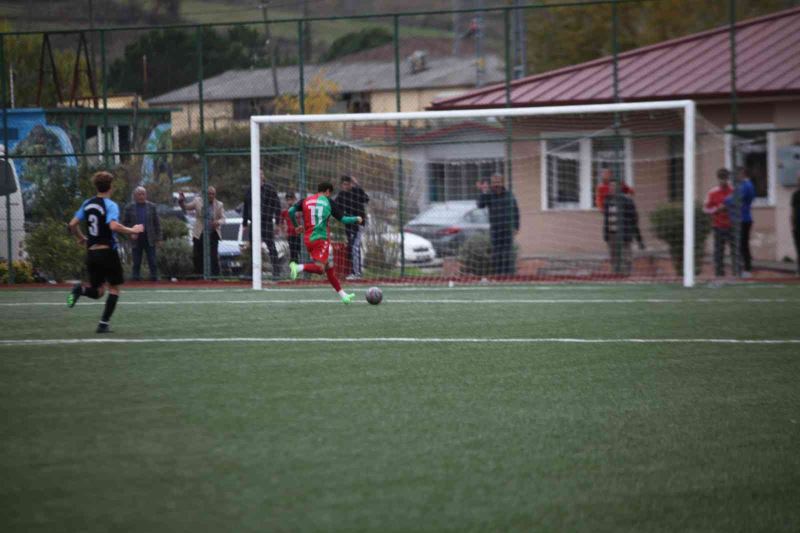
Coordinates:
column 404, row 436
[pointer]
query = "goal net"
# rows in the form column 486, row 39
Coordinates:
column 572, row 193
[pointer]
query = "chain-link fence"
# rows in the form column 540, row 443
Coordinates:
column 167, row 109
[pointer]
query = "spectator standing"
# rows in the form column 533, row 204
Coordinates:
column 141, row 211
column 353, row 200
column 270, row 212
column 292, row 234
column 205, row 227
column 796, row 222
column 503, row 223
column 620, row 228
column 604, row 188
column 715, row 205
column 740, row 203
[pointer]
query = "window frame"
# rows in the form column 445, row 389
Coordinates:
column 772, row 158
column 465, row 183
column 584, row 168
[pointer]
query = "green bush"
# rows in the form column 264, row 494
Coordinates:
column 174, row 258
column 23, row 272
column 54, row 252
column 476, row 255
column 173, row 228
column 667, row 222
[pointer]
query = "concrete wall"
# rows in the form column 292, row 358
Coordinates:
column 410, row 100
column 216, row 115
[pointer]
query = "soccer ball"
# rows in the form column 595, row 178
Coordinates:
column 374, row 295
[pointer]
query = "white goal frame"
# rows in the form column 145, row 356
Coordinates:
column 687, row 106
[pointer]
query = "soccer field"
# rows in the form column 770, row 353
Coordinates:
column 501, row 408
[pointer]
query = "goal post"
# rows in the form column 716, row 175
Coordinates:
column 685, row 108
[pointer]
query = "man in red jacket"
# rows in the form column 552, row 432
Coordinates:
column 720, row 220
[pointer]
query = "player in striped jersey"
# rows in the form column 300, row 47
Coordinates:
column 317, row 210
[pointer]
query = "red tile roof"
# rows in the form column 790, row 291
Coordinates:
column 696, row 66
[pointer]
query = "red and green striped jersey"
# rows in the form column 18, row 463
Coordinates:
column 317, row 210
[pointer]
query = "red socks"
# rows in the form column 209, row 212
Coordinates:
column 313, row 268
column 333, row 280
column 316, row 269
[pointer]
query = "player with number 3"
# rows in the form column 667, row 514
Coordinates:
column 101, row 215
column 317, row 210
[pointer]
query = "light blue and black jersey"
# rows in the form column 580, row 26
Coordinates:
column 98, row 214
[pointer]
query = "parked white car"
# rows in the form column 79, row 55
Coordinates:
column 234, row 241
column 418, row 251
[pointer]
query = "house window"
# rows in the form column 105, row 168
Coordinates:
column 571, row 168
column 753, row 148
column 357, row 102
column 119, row 140
column 245, row 108
column 455, row 179
column 675, row 178
column 124, row 136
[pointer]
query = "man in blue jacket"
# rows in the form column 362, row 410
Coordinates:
column 743, row 197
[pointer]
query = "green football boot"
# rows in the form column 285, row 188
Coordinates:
column 293, row 271
column 347, row 298
column 74, row 294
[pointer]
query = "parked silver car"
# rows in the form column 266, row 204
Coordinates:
column 447, row 225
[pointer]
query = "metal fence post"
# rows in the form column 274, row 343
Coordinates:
column 9, row 233
column 736, row 226
column 103, row 65
column 509, row 169
column 207, row 217
column 301, row 99
column 619, row 235
column 508, row 76
column 401, row 204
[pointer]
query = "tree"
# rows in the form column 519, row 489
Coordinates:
column 171, row 58
column 320, row 95
column 563, row 36
column 22, row 54
column 356, row 41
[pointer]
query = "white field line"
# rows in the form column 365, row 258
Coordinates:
column 387, row 340
column 415, row 288
column 460, row 301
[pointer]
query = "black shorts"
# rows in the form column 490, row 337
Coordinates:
column 104, row 266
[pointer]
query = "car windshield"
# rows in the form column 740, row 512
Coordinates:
column 230, row 232
column 441, row 214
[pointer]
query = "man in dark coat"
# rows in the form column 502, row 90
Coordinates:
column 353, row 200
column 620, row 228
column 140, row 211
column 270, row 213
column 503, row 223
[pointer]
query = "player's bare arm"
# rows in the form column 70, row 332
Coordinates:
column 119, row 228
column 75, row 229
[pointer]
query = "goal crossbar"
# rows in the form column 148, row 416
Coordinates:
column 687, row 106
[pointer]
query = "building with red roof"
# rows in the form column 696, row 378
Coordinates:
column 555, row 171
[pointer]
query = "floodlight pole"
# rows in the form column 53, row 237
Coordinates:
column 255, row 202
column 688, row 193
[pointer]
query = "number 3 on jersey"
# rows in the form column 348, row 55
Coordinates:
column 94, row 229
